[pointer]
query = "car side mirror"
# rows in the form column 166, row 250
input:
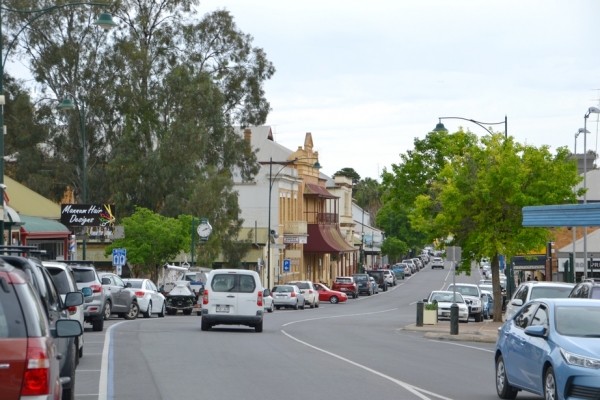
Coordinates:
column 87, row 292
column 128, row 284
column 536, row 331
column 105, row 281
column 517, row 302
column 425, row 300
column 68, row 327
column 73, row 299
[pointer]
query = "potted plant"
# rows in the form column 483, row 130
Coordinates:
column 430, row 313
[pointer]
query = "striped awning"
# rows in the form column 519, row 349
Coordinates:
column 326, row 239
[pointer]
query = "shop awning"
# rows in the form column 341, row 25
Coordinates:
column 43, row 228
column 319, row 191
column 326, row 239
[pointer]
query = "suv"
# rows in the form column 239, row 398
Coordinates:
column 437, row 262
column 390, row 277
column 308, row 290
column 64, row 280
column 362, row 283
column 54, row 308
column 124, row 301
column 532, row 290
column 232, row 297
column 472, row 296
column 27, row 358
column 346, row 284
column 379, row 278
column 588, row 289
column 96, row 307
column 411, row 264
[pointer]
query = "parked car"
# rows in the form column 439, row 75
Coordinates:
column 55, row 310
column 399, row 270
column 390, row 277
column 268, row 301
column 332, row 296
column 96, row 308
column 30, row 368
column 182, row 298
column 472, row 296
column 437, row 262
column 418, row 263
column 232, row 297
column 288, row 296
column 532, row 290
column 590, row 289
column 346, row 285
column 406, row 270
column 379, row 278
column 124, row 301
column 487, row 301
column 311, row 297
column 149, row 299
column 363, row 283
column 374, row 285
column 411, row 264
column 444, row 300
column 64, row 280
column 550, row 348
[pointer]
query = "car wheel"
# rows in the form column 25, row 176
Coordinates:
column 148, row 312
column 80, row 352
column 161, row 314
column 204, row 326
column 370, row 292
column 296, row 305
column 503, row 388
column 98, row 324
column 258, row 327
column 199, row 314
column 171, row 312
column 134, row 310
column 479, row 317
column 303, row 306
column 550, row 385
column 187, row 312
column 311, row 305
column 317, row 304
column 69, row 394
column 333, row 300
column 270, row 309
column 106, row 311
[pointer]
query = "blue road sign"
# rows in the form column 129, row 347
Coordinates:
column 287, row 263
column 119, row 257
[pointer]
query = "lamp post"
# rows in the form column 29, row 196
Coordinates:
column 272, row 178
column 591, row 110
column 104, row 21
column 579, row 132
column 441, row 128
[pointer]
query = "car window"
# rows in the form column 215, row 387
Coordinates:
column 136, row 284
column 523, row 319
column 558, row 292
column 118, row 281
column 53, row 296
column 301, row 285
column 84, row 275
column 595, row 293
column 223, row 282
column 12, row 324
column 343, row 280
column 283, row 289
column 247, row 284
column 522, row 294
column 360, row 278
column 540, row 317
column 35, row 320
column 60, row 279
column 585, row 291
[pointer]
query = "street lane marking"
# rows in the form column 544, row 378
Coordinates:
column 462, row 345
column 339, row 316
column 413, row 389
column 103, row 387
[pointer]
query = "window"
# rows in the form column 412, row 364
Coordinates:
column 559, row 292
column 136, row 284
column 117, row 280
column 11, row 319
column 540, row 317
column 523, row 319
column 595, row 293
column 247, row 284
column 585, row 291
column 84, row 275
column 223, row 283
column 522, row 294
column 60, row 279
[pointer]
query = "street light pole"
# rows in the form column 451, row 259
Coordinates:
column 105, row 21
column 441, row 128
column 591, row 110
column 579, row 131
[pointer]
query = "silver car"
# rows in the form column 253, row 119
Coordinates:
column 288, row 296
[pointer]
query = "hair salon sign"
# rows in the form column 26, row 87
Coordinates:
column 87, row 214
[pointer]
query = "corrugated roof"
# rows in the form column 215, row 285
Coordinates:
column 314, row 189
column 563, row 215
column 27, row 202
column 35, row 224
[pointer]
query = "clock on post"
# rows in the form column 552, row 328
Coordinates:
column 204, row 229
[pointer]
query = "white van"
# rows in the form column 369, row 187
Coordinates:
column 232, row 297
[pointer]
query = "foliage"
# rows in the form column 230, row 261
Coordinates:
column 393, row 248
column 368, row 194
column 349, row 173
column 431, row 306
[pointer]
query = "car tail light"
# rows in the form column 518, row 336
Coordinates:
column 205, row 297
column 310, row 291
column 36, row 380
column 259, row 299
column 96, row 288
column 139, row 294
column 72, row 310
column 293, row 294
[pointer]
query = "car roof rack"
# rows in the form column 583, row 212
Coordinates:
column 21, row 249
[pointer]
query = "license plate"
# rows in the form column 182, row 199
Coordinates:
column 344, row 289
column 223, row 309
column 445, row 314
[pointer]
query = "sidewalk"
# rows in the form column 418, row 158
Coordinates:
column 486, row 331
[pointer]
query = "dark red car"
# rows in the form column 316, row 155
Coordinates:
column 28, row 354
column 332, row 296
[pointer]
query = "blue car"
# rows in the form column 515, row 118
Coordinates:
column 487, row 301
column 551, row 347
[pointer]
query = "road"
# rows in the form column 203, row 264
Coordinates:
column 351, row 350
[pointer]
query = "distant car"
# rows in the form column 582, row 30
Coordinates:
column 532, row 290
column 550, row 348
column 379, row 278
column 124, row 301
column 149, row 299
column 411, row 264
column 406, row 269
column 437, row 262
column 96, row 309
column 590, row 289
column 346, row 285
column 332, row 296
column 399, row 270
column 268, row 301
column 288, row 296
column 487, row 301
column 311, row 297
column 390, row 278
column 374, row 285
column 444, row 300
column 363, row 283
column 472, row 296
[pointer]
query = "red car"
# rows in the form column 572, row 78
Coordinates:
column 332, row 296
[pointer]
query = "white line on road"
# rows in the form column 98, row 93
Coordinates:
column 88, row 370
column 103, row 386
column 339, row 316
column 415, row 390
column 463, row 345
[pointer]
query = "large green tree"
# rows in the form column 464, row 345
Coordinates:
column 476, row 199
column 368, row 195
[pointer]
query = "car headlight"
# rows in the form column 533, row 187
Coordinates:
column 580, row 361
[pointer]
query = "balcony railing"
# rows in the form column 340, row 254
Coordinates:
column 294, row 228
column 327, row 218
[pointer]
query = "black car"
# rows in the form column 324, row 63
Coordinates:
column 379, row 278
column 588, row 289
column 362, row 281
column 54, row 308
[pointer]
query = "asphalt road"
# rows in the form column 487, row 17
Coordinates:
column 352, row 350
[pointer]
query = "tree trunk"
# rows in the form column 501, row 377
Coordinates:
column 497, row 289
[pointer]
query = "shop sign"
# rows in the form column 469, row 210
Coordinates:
column 87, row 214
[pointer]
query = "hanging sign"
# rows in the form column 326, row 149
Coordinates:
column 87, row 214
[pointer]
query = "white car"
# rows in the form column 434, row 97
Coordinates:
column 308, row 290
column 472, row 296
column 532, row 290
column 389, row 277
column 268, row 301
column 437, row 262
column 444, row 300
column 149, row 299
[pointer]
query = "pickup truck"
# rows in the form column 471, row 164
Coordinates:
column 346, row 284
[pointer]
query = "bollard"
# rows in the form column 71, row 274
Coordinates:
column 420, row 307
column 454, row 319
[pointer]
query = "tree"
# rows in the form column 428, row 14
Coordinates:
column 368, row 197
column 349, row 173
column 478, row 196
column 393, row 247
column 152, row 240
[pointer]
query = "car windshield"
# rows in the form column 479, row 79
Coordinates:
column 301, row 285
column 360, row 278
column 84, row 275
column 446, row 298
column 557, row 292
column 343, row 280
column 486, row 287
column 578, row 321
column 135, row 284
column 466, row 290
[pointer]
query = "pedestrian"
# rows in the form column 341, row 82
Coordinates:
column 536, row 279
column 528, row 278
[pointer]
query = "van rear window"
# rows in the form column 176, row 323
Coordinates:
column 233, row 283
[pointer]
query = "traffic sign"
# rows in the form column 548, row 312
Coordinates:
column 287, row 265
column 119, row 270
column 119, row 257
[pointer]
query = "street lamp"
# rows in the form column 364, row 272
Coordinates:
column 104, row 21
column 272, row 178
column 579, row 132
column 591, row 110
column 441, row 128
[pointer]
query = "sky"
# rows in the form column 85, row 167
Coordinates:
column 367, row 78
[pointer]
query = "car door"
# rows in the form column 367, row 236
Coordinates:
column 155, row 298
column 116, row 292
column 515, row 359
column 535, row 350
column 247, row 294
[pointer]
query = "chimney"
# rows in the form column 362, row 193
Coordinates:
column 248, row 135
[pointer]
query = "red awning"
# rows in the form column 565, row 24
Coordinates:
column 316, row 190
column 326, row 239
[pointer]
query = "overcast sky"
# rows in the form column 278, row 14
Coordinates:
column 368, row 77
